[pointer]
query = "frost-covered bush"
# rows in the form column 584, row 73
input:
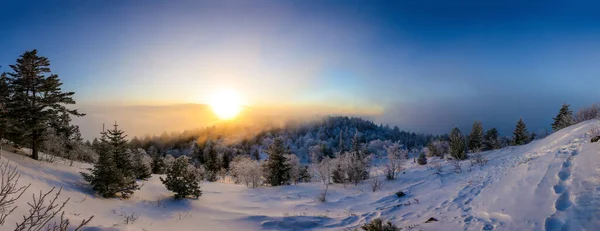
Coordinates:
column 395, row 158
column 588, row 113
column 295, row 167
column 182, row 179
column 246, row 170
column 422, row 160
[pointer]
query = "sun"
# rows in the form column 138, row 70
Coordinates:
column 226, row 104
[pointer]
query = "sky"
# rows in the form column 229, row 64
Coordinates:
column 425, row 66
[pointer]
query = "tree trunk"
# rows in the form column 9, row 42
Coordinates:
column 34, row 150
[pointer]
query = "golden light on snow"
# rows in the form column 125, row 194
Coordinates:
column 226, row 104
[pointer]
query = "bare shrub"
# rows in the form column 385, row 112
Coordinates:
column 437, row 169
column 395, row 158
column 247, row 171
column 43, row 208
column 9, row 191
column 456, row 164
column 127, row 218
column 376, row 184
column 479, row 159
column 323, row 196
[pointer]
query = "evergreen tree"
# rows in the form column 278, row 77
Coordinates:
column 212, row 166
column 422, row 160
column 457, row 145
column 491, row 139
column 5, row 93
column 356, row 145
column 476, row 137
column 256, row 155
column 106, row 178
column 305, row 174
column 225, row 160
column 198, row 153
column 341, row 144
column 36, row 101
column 520, row 135
column 158, row 164
column 339, row 175
column 121, row 155
column 277, row 169
column 140, row 169
column 563, row 119
column 182, row 180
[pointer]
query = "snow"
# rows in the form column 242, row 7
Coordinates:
column 549, row 184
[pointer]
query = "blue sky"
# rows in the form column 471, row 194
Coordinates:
column 424, row 65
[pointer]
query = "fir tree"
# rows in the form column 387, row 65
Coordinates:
column 5, row 93
column 339, row 175
column 277, row 169
column 140, row 169
column 225, row 160
column 106, row 178
column 520, row 135
column 457, row 145
column 476, row 137
column 422, row 160
column 563, row 119
column 121, row 155
column 182, row 180
column 158, row 164
column 36, row 101
column 212, row 166
column 491, row 139
column 305, row 175
column 198, row 153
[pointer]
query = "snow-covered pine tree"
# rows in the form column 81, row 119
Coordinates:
column 140, row 168
column 182, row 180
column 563, row 119
column 491, row 139
column 520, row 135
column 211, row 164
column 476, row 137
column 422, row 160
column 36, row 97
column 457, row 145
column 121, row 155
column 106, row 178
column 158, row 164
column 277, row 169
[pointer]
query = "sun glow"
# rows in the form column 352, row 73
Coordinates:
column 226, row 104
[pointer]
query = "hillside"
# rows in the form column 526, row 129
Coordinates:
column 549, row 184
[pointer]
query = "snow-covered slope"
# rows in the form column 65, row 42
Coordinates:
column 550, row 184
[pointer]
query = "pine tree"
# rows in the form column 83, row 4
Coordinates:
column 106, row 178
column 457, row 145
column 140, row 169
column 305, row 174
column 225, row 160
column 182, row 180
column 476, row 137
column 37, row 99
column 277, row 169
column 158, row 164
column 520, row 135
column 5, row 93
column 339, row 175
column 341, row 144
column 212, row 166
column 121, row 155
column 422, row 160
column 491, row 139
column 563, row 119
